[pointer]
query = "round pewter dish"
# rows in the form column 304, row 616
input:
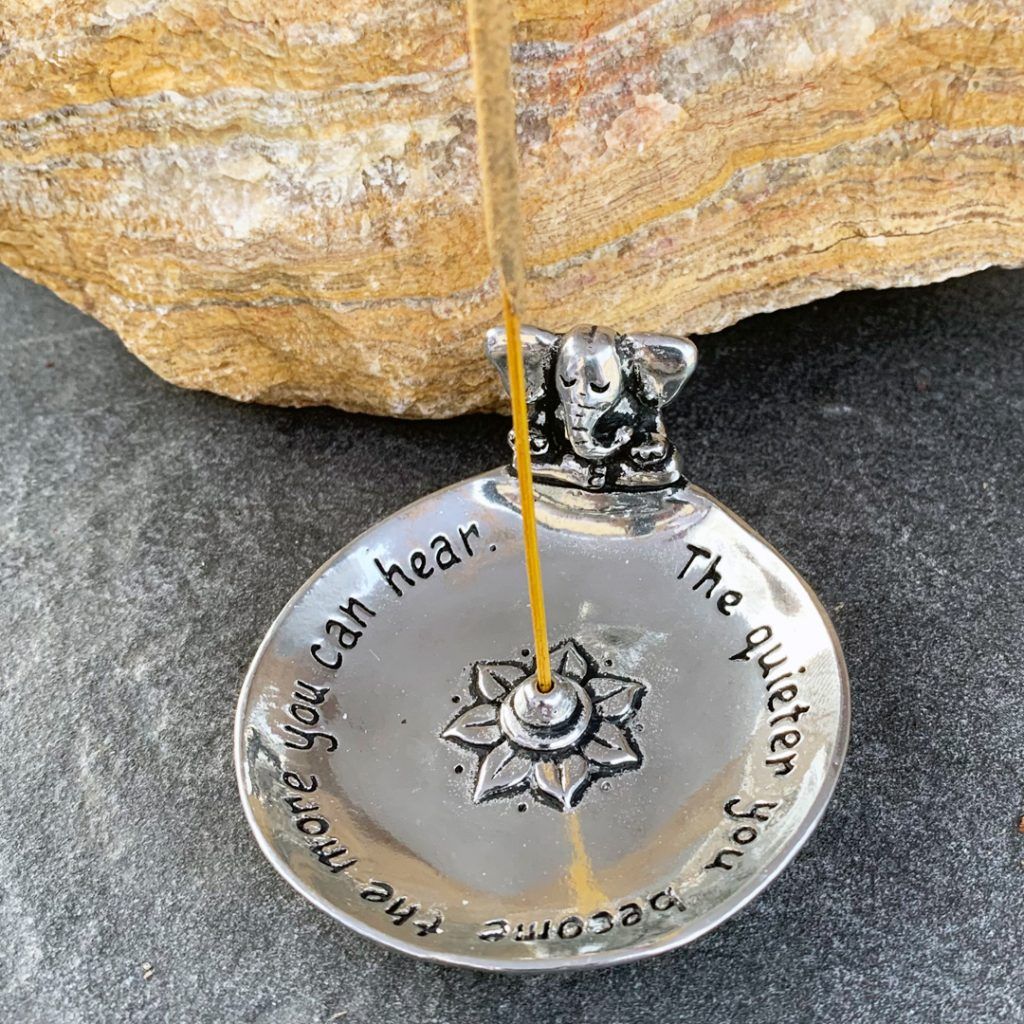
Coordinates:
column 398, row 770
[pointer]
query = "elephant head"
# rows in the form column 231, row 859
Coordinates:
column 595, row 400
column 589, row 382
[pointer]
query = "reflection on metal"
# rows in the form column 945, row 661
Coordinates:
column 595, row 399
column 552, row 744
column 399, row 770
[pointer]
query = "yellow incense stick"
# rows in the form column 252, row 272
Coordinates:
column 490, row 43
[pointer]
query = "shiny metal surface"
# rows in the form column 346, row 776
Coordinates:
column 594, row 400
column 691, row 744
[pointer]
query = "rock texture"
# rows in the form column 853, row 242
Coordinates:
column 280, row 202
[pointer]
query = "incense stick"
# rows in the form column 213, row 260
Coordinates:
column 490, row 40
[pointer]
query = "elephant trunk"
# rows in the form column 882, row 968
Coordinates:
column 581, row 425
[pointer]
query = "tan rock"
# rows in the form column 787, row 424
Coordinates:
column 279, row 202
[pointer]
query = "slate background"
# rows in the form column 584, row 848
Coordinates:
column 150, row 535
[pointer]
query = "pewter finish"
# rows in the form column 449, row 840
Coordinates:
column 594, row 399
column 550, row 744
column 363, row 804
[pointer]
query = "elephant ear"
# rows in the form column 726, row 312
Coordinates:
column 660, row 365
column 538, row 348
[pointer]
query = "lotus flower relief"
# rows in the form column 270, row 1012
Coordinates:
column 552, row 744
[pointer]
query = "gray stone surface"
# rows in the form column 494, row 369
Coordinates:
column 150, row 535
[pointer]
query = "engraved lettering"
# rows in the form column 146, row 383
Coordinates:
column 347, row 638
column 294, row 802
column 779, row 697
column 314, row 825
column 418, row 561
column 783, row 765
column 574, row 925
column 757, row 810
column 294, row 781
column 783, row 695
column 711, row 575
column 788, row 739
column 630, row 914
column 399, row 912
column 756, row 637
column 316, row 694
column 744, row 835
column 465, row 532
column 767, row 666
column 494, row 930
column 721, row 862
column 424, row 928
column 695, row 551
column 307, row 739
column 778, row 679
column 390, row 573
column 444, row 554
column 530, row 932
column 349, row 609
column 377, row 892
column 665, row 900
column 399, row 908
column 326, row 855
column 444, row 557
column 304, row 714
column 332, row 665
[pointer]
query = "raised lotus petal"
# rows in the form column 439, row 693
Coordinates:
column 611, row 747
column 492, row 681
column 477, row 726
column 518, row 753
column 562, row 780
column 570, row 661
column 503, row 768
column 622, row 698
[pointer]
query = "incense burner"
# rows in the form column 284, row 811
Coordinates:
column 402, row 771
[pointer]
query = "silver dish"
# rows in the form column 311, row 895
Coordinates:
column 400, row 769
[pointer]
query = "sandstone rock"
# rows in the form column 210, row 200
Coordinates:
column 279, row 202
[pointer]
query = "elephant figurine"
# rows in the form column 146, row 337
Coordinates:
column 594, row 399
